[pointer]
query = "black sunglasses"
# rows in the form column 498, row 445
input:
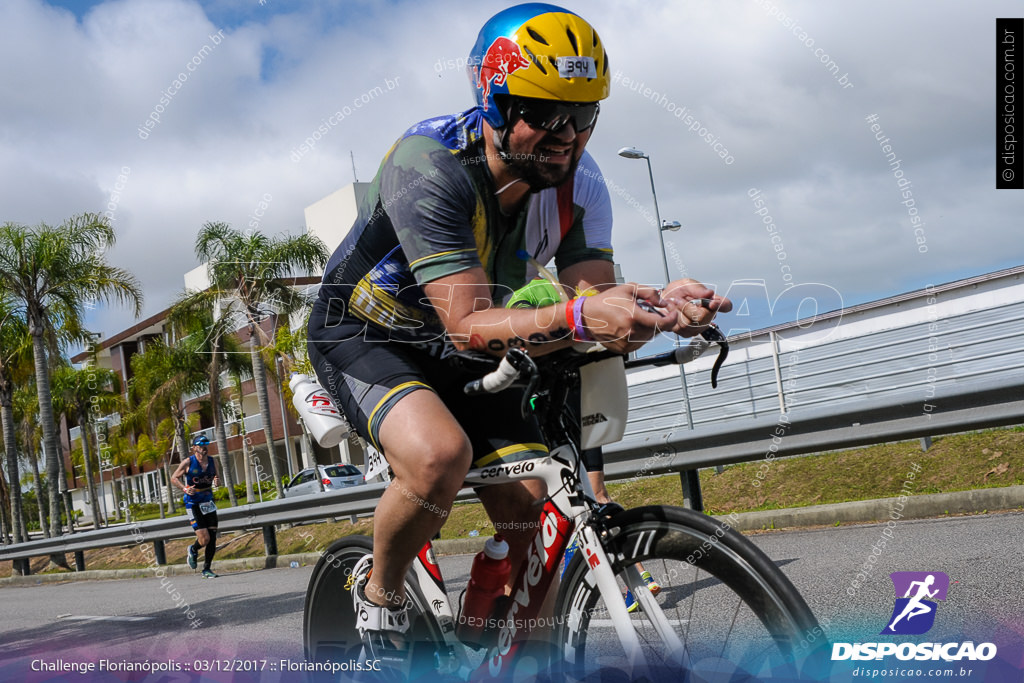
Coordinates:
column 552, row 115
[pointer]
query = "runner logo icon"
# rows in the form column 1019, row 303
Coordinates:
column 914, row 612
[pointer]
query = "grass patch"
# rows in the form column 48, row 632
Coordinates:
column 962, row 462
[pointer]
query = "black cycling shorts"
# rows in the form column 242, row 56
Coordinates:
column 199, row 519
column 367, row 378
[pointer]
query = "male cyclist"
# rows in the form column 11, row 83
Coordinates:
column 196, row 476
column 427, row 265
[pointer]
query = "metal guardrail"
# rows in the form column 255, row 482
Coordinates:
column 354, row 500
column 675, row 451
column 807, row 432
column 938, row 354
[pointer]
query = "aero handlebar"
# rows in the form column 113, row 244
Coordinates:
column 517, row 364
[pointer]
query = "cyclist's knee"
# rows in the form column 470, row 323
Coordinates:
column 441, row 466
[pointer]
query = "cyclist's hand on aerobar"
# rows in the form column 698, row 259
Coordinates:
column 692, row 317
column 614, row 318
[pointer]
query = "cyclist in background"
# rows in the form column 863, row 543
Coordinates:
column 196, row 477
column 433, row 254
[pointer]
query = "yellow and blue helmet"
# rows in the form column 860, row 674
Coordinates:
column 538, row 51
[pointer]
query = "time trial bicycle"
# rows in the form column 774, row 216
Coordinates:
column 724, row 611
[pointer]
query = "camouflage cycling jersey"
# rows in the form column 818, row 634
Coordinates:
column 430, row 212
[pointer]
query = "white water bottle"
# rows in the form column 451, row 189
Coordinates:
column 323, row 419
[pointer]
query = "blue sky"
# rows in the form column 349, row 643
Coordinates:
column 748, row 73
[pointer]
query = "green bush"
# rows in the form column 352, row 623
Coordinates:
column 221, row 494
column 140, row 510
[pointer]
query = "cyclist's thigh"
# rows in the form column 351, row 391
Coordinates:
column 367, row 379
column 424, row 444
column 380, row 387
column 494, row 424
column 499, row 435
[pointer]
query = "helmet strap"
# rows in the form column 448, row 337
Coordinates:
column 501, row 136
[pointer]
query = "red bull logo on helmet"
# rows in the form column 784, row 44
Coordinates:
column 502, row 58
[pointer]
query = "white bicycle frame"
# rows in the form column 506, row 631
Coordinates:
column 557, row 470
column 565, row 517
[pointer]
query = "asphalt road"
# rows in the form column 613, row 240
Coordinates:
column 257, row 614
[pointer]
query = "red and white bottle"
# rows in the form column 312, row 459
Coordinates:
column 323, row 419
column 487, row 579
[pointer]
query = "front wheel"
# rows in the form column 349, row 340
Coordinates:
column 738, row 617
column 328, row 619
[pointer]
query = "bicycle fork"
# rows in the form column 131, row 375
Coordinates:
column 600, row 568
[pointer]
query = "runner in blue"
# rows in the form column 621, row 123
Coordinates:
column 196, row 477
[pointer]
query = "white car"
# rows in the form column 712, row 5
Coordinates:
column 333, row 477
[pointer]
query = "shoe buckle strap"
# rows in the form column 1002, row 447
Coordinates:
column 370, row 617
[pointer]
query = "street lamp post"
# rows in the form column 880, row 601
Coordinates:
column 689, row 478
column 634, row 153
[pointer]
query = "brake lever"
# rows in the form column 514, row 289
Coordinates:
column 714, row 335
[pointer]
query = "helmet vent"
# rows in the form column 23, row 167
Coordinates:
column 536, row 36
column 572, row 39
column 604, row 70
column 535, row 61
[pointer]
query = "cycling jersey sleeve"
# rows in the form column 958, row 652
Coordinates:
column 430, row 200
column 590, row 236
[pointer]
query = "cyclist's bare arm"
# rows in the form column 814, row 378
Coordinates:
column 597, row 274
column 463, row 302
column 691, row 318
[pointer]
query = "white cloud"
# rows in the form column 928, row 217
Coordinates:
column 79, row 89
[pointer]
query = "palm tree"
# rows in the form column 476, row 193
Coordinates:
column 122, row 455
column 169, row 431
column 5, row 507
column 236, row 380
column 214, row 342
column 52, row 273
column 15, row 349
column 26, row 412
column 249, row 275
column 80, row 394
column 162, row 376
column 153, row 451
column 290, row 345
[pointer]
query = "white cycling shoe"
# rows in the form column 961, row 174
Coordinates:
column 381, row 629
